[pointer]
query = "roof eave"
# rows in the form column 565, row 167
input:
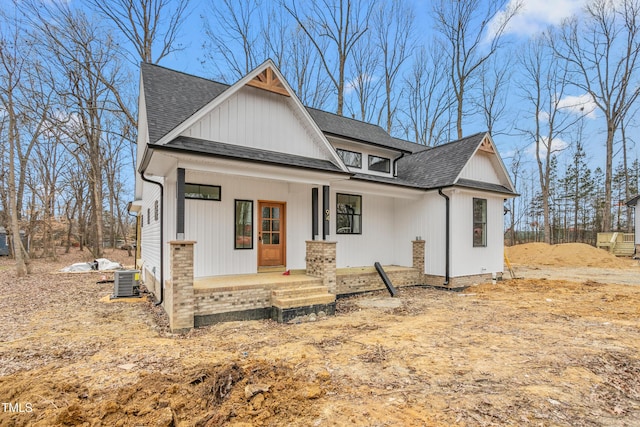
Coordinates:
column 261, row 161
column 362, row 141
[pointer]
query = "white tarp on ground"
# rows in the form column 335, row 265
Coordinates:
column 100, row 264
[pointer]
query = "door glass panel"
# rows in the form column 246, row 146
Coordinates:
column 266, row 238
column 265, row 225
column 275, row 238
column 276, row 213
column 266, row 212
column 275, row 225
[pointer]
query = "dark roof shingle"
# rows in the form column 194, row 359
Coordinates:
column 172, row 97
column 439, row 166
column 238, row 152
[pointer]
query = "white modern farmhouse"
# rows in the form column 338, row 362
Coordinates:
column 239, row 184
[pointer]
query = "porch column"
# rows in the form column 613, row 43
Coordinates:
column 418, row 256
column 325, row 212
column 180, row 301
column 180, row 205
column 314, row 213
column 321, row 262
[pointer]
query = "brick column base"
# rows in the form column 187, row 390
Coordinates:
column 180, row 307
column 418, row 255
column 321, row 262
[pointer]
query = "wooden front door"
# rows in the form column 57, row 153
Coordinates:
column 271, row 234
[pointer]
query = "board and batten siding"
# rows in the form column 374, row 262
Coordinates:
column 211, row 223
column 260, row 119
column 469, row 260
column 425, row 218
column 376, row 243
column 481, row 168
column 150, row 239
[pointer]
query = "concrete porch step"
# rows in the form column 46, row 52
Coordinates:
column 303, row 301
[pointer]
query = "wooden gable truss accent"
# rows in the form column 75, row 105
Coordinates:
column 486, row 146
column 268, row 80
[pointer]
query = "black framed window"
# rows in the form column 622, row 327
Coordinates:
column 243, row 224
column 479, row 222
column 379, row 164
column 348, row 214
column 350, row 158
column 202, row 192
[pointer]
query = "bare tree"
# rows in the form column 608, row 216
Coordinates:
column 149, row 25
column 393, row 25
column 13, row 69
column 85, row 59
column 427, row 99
column 494, row 85
column 471, row 33
column 365, row 85
column 303, row 71
column 342, row 23
column 543, row 88
column 603, row 49
column 234, row 37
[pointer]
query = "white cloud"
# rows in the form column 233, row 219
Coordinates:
column 359, row 81
column 536, row 15
column 557, row 145
column 579, row 105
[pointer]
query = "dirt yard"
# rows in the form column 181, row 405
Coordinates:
column 537, row 351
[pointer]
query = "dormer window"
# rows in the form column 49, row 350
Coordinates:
column 379, row 164
column 350, row 158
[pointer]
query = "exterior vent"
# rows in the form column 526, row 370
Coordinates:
column 125, row 284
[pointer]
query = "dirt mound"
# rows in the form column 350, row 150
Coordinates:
column 254, row 392
column 564, row 255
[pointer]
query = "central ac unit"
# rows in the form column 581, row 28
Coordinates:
column 125, row 283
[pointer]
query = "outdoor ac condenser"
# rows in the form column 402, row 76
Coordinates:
column 125, row 283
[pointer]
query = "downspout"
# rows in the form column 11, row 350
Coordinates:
column 446, row 264
column 144, row 178
column 395, row 166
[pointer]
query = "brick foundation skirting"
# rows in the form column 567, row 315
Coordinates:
column 456, row 282
column 350, row 284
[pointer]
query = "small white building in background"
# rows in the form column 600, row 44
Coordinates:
column 252, row 176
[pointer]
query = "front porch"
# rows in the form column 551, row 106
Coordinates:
column 193, row 302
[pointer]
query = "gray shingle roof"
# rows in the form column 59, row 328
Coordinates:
column 368, row 133
column 171, row 97
column 479, row 185
column 439, row 166
column 232, row 151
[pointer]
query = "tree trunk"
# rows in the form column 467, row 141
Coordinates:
column 606, row 215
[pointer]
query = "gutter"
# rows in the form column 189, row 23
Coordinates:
column 447, row 239
column 144, row 178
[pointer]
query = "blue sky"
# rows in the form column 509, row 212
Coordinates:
column 534, row 17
